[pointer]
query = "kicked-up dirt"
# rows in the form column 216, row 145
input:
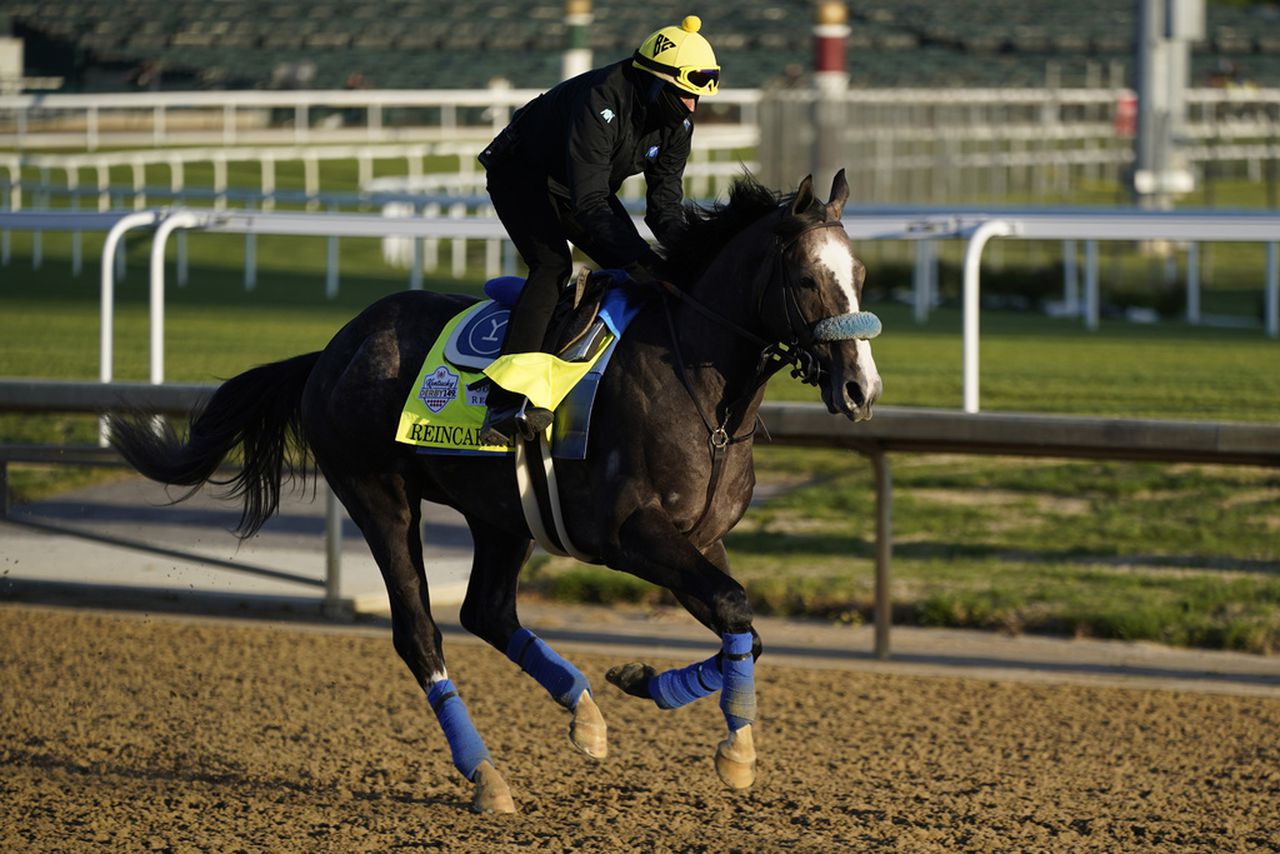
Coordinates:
column 130, row 732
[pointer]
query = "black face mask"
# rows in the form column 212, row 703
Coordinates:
column 666, row 109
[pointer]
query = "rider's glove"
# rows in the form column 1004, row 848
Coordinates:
column 643, row 275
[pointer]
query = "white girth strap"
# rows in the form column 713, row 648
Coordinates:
column 529, row 499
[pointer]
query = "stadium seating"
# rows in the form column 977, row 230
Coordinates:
column 406, row 44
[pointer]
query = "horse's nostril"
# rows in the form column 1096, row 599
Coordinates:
column 855, row 394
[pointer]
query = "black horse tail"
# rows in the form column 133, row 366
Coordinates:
column 260, row 410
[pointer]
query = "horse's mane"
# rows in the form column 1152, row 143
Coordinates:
column 707, row 228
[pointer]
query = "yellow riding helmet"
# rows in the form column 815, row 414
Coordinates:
column 681, row 56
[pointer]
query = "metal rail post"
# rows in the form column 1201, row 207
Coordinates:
column 331, row 263
column 972, row 264
column 1092, row 301
column 415, row 264
column 11, row 202
column 884, row 551
column 77, row 244
column 250, row 255
column 181, row 219
column 108, row 285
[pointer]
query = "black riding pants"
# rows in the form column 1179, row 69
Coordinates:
column 541, row 227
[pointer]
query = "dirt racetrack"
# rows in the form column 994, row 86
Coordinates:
column 130, row 732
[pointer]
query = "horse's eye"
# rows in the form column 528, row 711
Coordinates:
column 807, row 282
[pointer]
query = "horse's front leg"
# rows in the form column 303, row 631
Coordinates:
column 649, row 546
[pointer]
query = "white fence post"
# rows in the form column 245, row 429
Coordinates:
column 40, row 200
column 972, row 303
column 920, row 281
column 106, row 336
column 311, row 181
column 177, row 182
column 431, row 245
column 181, row 219
column 415, row 263
column 331, row 264
column 1091, row 299
column 139, row 185
column 250, row 256
column 458, row 245
column 220, row 181
column 77, row 249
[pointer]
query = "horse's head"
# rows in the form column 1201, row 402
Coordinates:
column 819, row 289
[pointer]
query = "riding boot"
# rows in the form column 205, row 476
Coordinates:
column 509, row 414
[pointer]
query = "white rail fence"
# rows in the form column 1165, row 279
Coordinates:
column 457, row 194
column 976, row 228
column 300, row 116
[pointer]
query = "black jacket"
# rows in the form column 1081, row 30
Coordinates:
column 588, row 134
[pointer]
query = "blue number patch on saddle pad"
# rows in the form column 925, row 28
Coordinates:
column 443, row 414
column 477, row 339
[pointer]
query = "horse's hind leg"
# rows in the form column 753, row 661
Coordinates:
column 388, row 511
column 489, row 612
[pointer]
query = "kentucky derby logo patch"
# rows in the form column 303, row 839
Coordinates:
column 439, row 389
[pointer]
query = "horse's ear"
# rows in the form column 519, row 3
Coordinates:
column 839, row 195
column 804, row 196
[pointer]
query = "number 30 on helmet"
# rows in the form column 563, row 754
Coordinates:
column 682, row 57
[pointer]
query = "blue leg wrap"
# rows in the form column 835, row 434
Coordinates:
column 738, row 698
column 464, row 742
column 680, row 687
column 564, row 682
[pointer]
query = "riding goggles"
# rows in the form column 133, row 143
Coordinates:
column 699, row 81
column 694, row 79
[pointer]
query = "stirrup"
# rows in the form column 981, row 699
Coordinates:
column 525, row 421
column 499, row 426
column 533, row 420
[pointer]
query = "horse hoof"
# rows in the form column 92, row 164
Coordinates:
column 588, row 731
column 492, row 794
column 736, row 759
column 632, row 678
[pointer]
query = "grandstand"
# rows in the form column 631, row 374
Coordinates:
column 119, row 45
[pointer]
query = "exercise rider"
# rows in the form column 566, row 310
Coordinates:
column 554, row 171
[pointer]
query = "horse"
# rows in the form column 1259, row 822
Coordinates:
column 757, row 283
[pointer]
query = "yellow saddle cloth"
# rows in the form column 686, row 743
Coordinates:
column 443, row 413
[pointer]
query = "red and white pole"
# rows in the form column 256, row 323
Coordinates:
column 830, row 32
column 830, row 83
column 577, row 53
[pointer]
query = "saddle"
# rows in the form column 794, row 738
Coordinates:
column 576, row 331
column 447, row 402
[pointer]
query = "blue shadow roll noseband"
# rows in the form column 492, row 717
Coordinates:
column 856, row 325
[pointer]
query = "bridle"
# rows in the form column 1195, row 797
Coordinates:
column 793, row 347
